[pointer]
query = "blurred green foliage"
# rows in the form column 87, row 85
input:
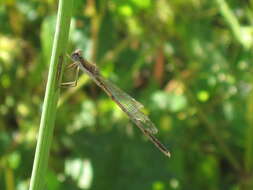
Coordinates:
column 188, row 62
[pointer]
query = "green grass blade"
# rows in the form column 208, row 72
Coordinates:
column 232, row 22
column 51, row 95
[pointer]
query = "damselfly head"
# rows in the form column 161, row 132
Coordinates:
column 76, row 55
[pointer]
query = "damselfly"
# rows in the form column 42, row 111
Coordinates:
column 127, row 104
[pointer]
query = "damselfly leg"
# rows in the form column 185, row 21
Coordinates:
column 72, row 83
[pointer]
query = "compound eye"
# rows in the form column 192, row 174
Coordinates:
column 75, row 56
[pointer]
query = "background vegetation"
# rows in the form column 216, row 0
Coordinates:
column 188, row 61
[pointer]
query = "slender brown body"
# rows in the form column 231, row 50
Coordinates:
column 128, row 105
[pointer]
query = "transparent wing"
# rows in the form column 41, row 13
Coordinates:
column 130, row 106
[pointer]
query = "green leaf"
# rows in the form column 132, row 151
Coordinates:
column 80, row 171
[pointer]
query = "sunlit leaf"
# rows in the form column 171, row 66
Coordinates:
column 14, row 160
column 203, row 96
column 80, row 171
column 169, row 101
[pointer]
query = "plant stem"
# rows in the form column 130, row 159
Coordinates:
column 232, row 21
column 210, row 126
column 248, row 157
column 51, row 95
column 214, row 132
